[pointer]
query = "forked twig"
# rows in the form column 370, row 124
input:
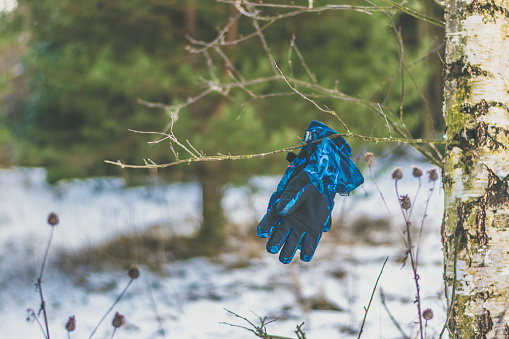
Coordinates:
column 261, row 331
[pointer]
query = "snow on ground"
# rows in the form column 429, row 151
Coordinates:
column 195, row 298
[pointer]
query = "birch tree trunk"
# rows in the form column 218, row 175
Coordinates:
column 475, row 231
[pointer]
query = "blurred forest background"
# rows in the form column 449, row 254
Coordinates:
column 74, row 76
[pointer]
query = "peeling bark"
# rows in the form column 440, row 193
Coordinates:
column 475, row 231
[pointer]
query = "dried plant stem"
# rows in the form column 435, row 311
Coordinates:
column 394, row 321
column 387, row 207
column 413, row 261
column 39, row 286
column 34, row 316
column 366, row 309
column 423, row 218
column 111, row 308
column 163, row 332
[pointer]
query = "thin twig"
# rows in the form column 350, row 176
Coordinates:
column 163, row 332
column 394, row 321
column 112, row 306
column 416, row 14
column 259, row 331
column 34, row 316
column 302, row 61
column 326, row 110
column 366, row 309
column 387, row 207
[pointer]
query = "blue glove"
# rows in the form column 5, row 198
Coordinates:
column 315, row 131
column 300, row 209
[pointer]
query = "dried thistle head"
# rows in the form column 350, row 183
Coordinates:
column 404, row 202
column 369, row 159
column 53, row 219
column 397, row 173
column 118, row 320
column 416, row 171
column 427, row 314
column 71, row 324
column 134, row 272
column 433, row 176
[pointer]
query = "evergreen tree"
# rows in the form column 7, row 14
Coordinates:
column 88, row 62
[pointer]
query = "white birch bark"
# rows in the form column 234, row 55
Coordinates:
column 475, row 231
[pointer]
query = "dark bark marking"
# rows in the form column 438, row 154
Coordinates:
column 506, row 331
column 461, row 219
column 490, row 8
column 475, row 7
column 447, row 180
column 484, row 295
column 484, row 324
column 482, row 135
column 460, row 231
column 498, row 189
column 482, row 108
column 496, row 192
column 481, row 220
column 460, row 69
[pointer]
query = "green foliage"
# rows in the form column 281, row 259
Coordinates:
column 88, row 63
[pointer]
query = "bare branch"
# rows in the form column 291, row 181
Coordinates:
column 222, row 157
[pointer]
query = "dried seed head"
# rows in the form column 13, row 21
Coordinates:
column 134, row 272
column 369, row 159
column 404, row 201
column 416, row 171
column 433, row 176
column 397, row 173
column 118, row 321
column 53, row 219
column 427, row 314
column 71, row 324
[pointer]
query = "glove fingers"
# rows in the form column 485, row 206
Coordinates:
column 269, row 222
column 292, row 243
column 308, row 248
column 278, row 238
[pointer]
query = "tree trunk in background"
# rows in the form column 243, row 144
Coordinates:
column 475, row 231
column 212, row 178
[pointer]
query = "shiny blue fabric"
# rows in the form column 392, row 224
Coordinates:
column 316, row 130
column 300, row 208
column 331, row 170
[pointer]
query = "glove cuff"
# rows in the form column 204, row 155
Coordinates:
column 318, row 130
column 331, row 171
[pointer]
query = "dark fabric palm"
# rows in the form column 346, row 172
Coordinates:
column 296, row 221
column 300, row 208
